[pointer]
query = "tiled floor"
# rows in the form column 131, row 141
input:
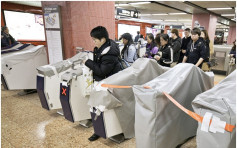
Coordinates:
column 26, row 124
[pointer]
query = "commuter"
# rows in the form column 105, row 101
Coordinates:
column 175, row 43
column 6, row 38
column 137, row 37
column 151, row 48
column 186, row 39
column 196, row 50
column 105, row 61
column 129, row 52
column 157, row 40
column 141, row 39
column 232, row 56
column 165, row 54
column 206, row 40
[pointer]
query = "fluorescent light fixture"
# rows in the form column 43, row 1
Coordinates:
column 145, row 14
column 177, row 13
column 156, row 20
column 117, row 5
column 139, row 3
column 228, row 15
column 160, row 14
column 170, row 20
column 233, row 19
column 185, row 20
column 218, row 8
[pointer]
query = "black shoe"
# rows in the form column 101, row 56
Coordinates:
column 93, row 137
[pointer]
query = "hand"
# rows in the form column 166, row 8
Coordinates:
column 84, row 61
column 231, row 55
column 157, row 57
column 183, row 51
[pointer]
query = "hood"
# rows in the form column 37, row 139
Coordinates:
column 112, row 49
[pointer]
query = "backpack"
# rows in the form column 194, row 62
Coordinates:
column 123, row 64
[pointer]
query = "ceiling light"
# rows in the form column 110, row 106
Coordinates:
column 145, row 14
column 157, row 20
column 185, row 20
column 170, row 20
column 177, row 13
column 139, row 3
column 228, row 15
column 218, row 8
column 116, row 5
column 160, row 14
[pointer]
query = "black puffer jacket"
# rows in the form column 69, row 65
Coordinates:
column 105, row 61
column 176, row 46
column 166, row 53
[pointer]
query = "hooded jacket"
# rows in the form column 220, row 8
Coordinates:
column 176, row 46
column 105, row 61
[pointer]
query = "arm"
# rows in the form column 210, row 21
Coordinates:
column 185, row 59
column 101, row 69
column 131, row 53
column 176, row 47
column 170, row 60
column 199, row 62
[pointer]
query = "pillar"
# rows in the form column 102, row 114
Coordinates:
column 79, row 18
column 207, row 21
column 231, row 34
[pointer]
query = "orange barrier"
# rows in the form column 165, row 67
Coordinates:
column 195, row 116
column 228, row 127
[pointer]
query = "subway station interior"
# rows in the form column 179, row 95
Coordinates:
column 118, row 74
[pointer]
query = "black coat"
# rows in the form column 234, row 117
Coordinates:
column 6, row 39
column 105, row 61
column 184, row 45
column 167, row 55
column 194, row 53
column 176, row 46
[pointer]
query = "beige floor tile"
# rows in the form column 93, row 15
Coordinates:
column 5, row 143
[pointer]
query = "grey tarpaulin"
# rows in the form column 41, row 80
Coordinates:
column 142, row 71
column 158, row 122
column 14, row 58
column 62, row 65
column 221, row 102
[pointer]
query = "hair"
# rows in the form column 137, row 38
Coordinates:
column 196, row 31
column 141, row 36
column 188, row 30
column 165, row 37
column 162, row 31
column 138, row 32
column 175, row 31
column 234, row 47
column 99, row 32
column 4, row 28
column 157, row 39
column 206, row 35
column 128, row 37
column 151, row 36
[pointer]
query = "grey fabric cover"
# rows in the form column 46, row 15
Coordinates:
column 63, row 65
column 69, row 74
column 14, row 58
column 158, row 122
column 142, row 71
column 221, row 102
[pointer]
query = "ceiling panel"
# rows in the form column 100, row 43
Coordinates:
column 214, row 4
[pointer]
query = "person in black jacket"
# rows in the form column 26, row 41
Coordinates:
column 6, row 38
column 186, row 39
column 196, row 50
column 137, row 37
column 175, row 43
column 105, row 61
column 106, row 54
column 165, row 54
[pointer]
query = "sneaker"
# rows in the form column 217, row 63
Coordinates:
column 93, row 137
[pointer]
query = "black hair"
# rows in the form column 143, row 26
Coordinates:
column 234, row 47
column 141, row 36
column 196, row 31
column 4, row 28
column 151, row 36
column 206, row 35
column 128, row 37
column 187, row 29
column 138, row 32
column 99, row 32
column 165, row 37
column 162, row 31
column 157, row 39
column 175, row 31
